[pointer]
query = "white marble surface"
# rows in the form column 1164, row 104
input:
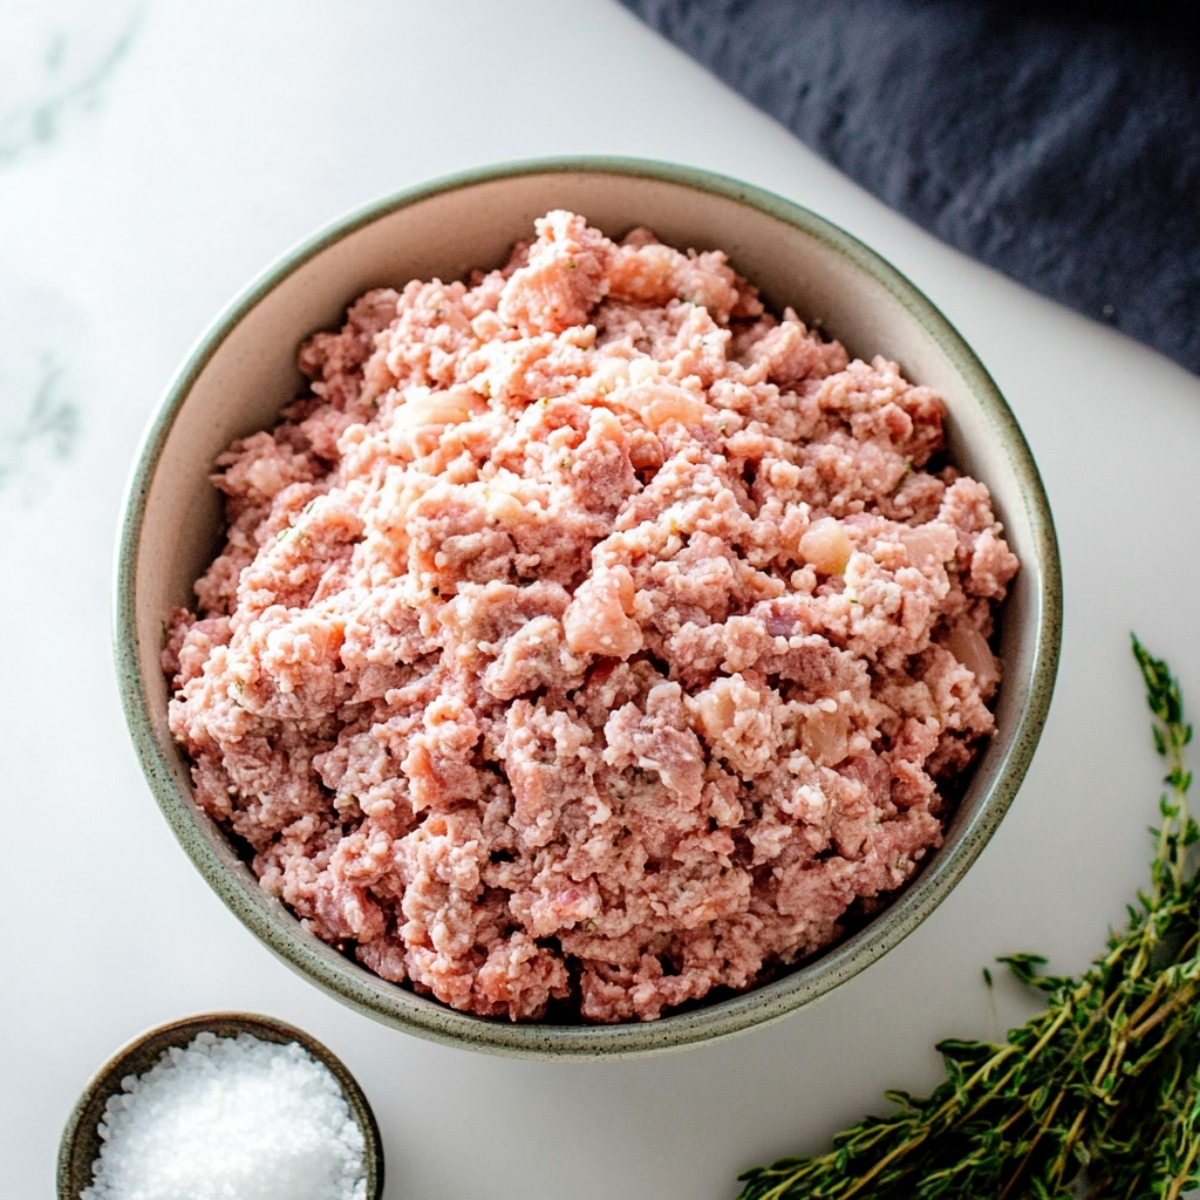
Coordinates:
column 153, row 158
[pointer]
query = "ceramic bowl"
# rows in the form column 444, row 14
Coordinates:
column 80, row 1146
column 243, row 370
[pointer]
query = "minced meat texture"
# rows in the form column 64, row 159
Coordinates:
column 587, row 636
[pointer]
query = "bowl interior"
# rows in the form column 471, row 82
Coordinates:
column 245, row 370
column 81, row 1140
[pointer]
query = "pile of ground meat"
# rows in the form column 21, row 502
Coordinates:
column 587, row 639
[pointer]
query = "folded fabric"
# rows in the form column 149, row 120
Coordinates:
column 1058, row 142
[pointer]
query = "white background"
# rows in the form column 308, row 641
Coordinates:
column 136, row 196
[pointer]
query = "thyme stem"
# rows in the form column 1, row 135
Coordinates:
column 1102, row 1089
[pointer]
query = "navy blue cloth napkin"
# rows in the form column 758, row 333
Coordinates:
column 1059, row 142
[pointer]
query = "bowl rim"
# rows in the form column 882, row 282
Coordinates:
column 401, row 1008
column 74, row 1157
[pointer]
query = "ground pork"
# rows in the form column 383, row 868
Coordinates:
column 587, row 639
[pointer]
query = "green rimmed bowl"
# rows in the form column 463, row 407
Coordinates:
column 243, row 371
column 81, row 1141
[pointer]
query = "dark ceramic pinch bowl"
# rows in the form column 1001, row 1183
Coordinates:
column 81, row 1142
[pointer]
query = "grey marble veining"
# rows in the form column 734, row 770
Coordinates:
column 57, row 61
column 40, row 408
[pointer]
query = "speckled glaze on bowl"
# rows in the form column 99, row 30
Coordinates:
column 243, row 370
column 80, row 1145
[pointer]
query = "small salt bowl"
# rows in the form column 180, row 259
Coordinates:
column 81, row 1141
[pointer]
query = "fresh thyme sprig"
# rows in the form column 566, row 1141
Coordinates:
column 1098, row 1095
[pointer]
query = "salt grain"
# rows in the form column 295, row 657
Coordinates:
column 230, row 1119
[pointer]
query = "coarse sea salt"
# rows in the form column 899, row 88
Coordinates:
column 230, row 1119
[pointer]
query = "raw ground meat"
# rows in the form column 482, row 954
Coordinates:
column 587, row 638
